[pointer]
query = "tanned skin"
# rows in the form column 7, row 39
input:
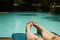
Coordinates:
column 46, row 35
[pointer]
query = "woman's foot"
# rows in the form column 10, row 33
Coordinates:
column 39, row 29
column 29, row 34
column 28, row 25
column 45, row 34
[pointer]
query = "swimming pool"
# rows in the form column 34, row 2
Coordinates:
column 15, row 22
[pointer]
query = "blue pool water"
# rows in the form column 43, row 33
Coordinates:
column 15, row 22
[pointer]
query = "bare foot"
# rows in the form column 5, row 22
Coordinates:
column 29, row 24
column 38, row 27
column 29, row 34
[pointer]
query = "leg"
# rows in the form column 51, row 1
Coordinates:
column 29, row 34
column 45, row 34
column 56, row 38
